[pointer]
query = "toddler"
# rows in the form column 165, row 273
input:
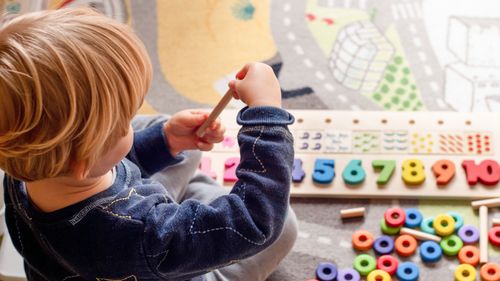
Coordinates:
column 93, row 193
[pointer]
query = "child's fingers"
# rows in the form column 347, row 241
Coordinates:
column 204, row 146
column 232, row 86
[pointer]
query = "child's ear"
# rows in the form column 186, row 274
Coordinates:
column 80, row 171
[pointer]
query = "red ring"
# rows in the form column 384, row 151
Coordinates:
column 388, row 264
column 494, row 235
column 406, row 245
column 362, row 240
column 395, row 217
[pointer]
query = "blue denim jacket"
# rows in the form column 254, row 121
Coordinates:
column 135, row 231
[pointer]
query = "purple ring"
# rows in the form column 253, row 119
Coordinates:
column 326, row 271
column 383, row 245
column 469, row 234
column 348, row 274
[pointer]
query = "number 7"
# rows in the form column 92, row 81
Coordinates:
column 386, row 168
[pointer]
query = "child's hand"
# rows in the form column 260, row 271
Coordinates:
column 256, row 85
column 180, row 131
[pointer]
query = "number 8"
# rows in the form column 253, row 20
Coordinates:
column 413, row 172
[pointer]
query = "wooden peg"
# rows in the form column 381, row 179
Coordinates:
column 215, row 113
column 352, row 213
column 419, row 234
column 490, row 203
column 495, row 221
column 483, row 234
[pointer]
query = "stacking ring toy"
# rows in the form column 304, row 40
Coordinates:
column 406, row 245
column 378, row 275
column 426, row 226
column 413, row 218
column 444, row 225
column 468, row 234
column 326, row 271
column 494, row 235
column 430, row 251
column 459, row 220
column 451, row 245
column 395, row 217
column 490, row 272
column 465, row 272
column 383, row 245
column 407, row 271
column 362, row 240
column 387, row 229
column 348, row 274
column 388, row 264
column 364, row 264
column 469, row 255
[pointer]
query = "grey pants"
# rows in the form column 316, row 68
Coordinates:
column 183, row 181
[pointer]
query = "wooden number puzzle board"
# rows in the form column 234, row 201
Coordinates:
column 368, row 136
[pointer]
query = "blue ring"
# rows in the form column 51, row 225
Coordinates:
column 383, row 245
column 413, row 218
column 407, row 271
column 326, row 271
column 430, row 251
column 426, row 226
column 459, row 220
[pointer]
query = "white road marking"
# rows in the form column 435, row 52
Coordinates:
column 434, row 86
column 402, row 11
column 428, row 70
column 304, row 235
column 413, row 28
column 287, row 21
column 291, row 36
column 417, row 42
column 342, row 98
column 299, row 50
column 395, row 13
column 441, row 103
column 418, row 9
column 320, row 75
column 324, row 240
column 422, row 56
column 329, row 87
column 287, row 7
column 362, row 4
column 308, row 62
column 411, row 13
column 355, row 107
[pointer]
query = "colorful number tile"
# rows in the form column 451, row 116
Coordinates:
column 230, row 166
column 366, row 142
column 229, row 144
column 354, row 173
column 386, row 168
column 395, row 142
column 479, row 143
column 451, row 143
column 338, row 141
column 444, row 170
column 487, row 172
column 298, row 173
column 206, row 167
column 413, row 172
column 324, row 171
column 423, row 142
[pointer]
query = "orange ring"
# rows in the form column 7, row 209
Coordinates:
column 469, row 255
column 362, row 240
column 490, row 272
column 406, row 245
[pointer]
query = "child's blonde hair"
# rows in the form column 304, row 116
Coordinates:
column 70, row 82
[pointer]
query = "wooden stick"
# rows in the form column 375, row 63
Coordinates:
column 419, row 234
column 495, row 221
column 490, row 203
column 483, row 234
column 215, row 113
column 352, row 213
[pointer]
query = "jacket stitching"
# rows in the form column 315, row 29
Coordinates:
column 263, row 170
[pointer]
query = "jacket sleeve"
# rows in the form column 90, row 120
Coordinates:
column 189, row 239
column 150, row 151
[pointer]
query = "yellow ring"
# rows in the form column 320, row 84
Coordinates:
column 444, row 225
column 465, row 272
column 378, row 275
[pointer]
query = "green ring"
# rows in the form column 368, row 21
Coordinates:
column 451, row 250
column 387, row 229
column 364, row 264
